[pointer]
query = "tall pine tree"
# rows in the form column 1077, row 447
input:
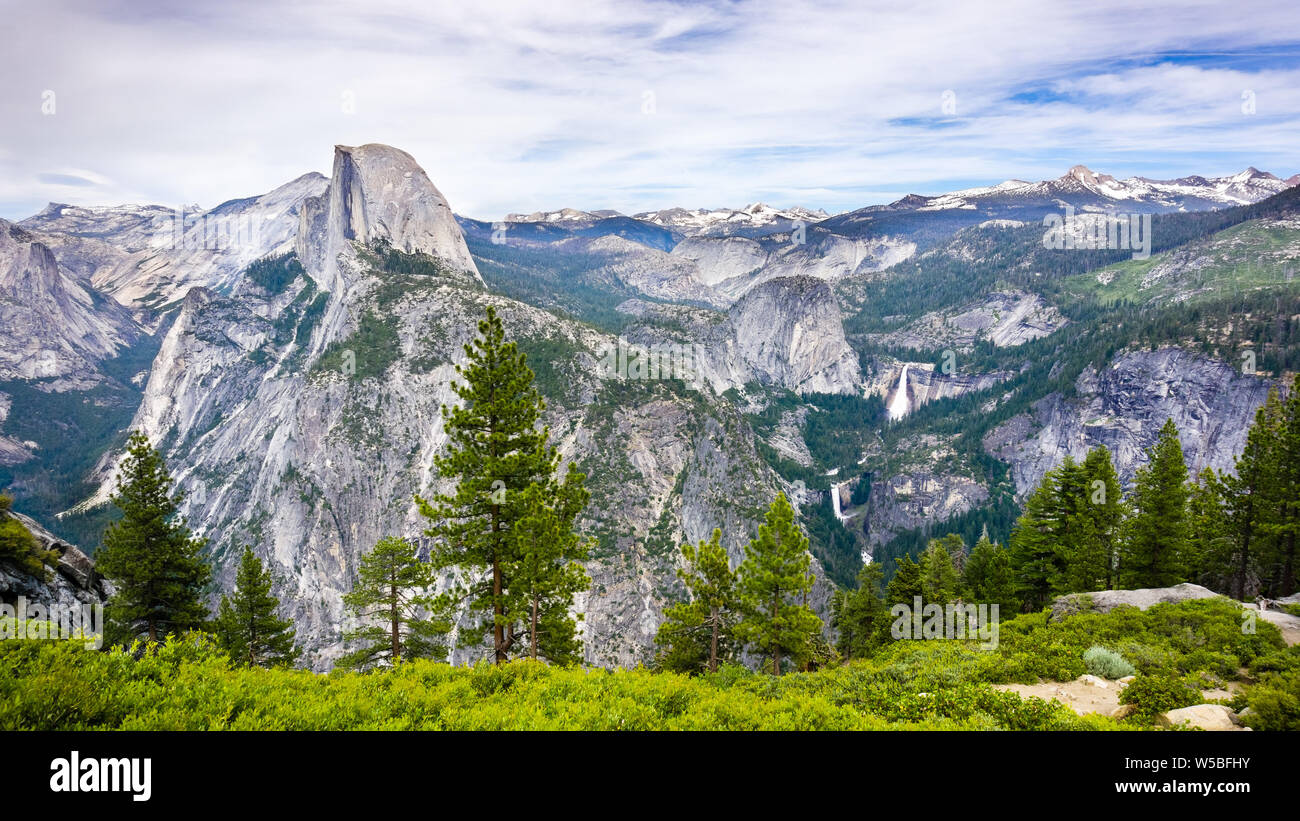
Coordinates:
column 940, row 582
column 774, row 581
column 1157, row 533
column 697, row 635
column 1251, row 499
column 986, row 578
column 149, row 554
column 1282, row 494
column 247, row 626
column 496, row 452
column 860, row 616
column 1097, row 521
column 548, row 571
column 397, row 619
column 1035, row 557
column 905, row 586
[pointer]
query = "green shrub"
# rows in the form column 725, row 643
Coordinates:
column 1156, row 694
column 1274, row 702
column 1106, row 663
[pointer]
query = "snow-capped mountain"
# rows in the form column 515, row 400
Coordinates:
column 149, row 256
column 1081, row 186
column 728, row 220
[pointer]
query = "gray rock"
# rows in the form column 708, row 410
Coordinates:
column 1215, row 717
column 1103, row 601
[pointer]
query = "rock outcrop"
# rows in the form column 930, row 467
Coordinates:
column 58, row 328
column 378, row 192
column 1123, row 408
column 1212, row 717
column 72, row 584
column 1104, row 601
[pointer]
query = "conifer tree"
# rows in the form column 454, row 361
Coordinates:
column 774, row 579
column 1211, row 546
column 697, row 635
column 1069, row 525
column 939, row 580
column 397, row 618
column 496, row 452
column 1157, row 533
column 150, row 555
column 247, row 626
column 548, row 571
column 860, row 616
column 1035, row 558
column 906, row 584
column 1282, row 495
column 1250, row 505
column 1096, row 522
column 987, row 577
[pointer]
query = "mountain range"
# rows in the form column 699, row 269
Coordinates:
column 289, row 354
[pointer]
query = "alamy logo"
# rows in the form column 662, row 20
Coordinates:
column 77, row 774
column 207, row 232
column 1117, row 232
column 624, row 360
column 935, row 621
column 36, row 622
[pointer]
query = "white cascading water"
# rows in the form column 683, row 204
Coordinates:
column 898, row 406
column 835, row 502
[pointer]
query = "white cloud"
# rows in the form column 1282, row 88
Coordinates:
column 517, row 107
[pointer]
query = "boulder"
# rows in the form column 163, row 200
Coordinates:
column 1201, row 716
column 1093, row 681
column 1287, row 623
column 1103, row 601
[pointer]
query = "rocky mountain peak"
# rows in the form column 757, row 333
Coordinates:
column 790, row 333
column 377, row 191
column 27, row 268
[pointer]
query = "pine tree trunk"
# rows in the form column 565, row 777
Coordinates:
column 396, row 623
column 1288, row 567
column 713, row 646
column 1243, row 566
column 498, row 630
column 776, row 646
column 533, row 650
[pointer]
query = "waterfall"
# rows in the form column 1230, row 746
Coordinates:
column 898, row 407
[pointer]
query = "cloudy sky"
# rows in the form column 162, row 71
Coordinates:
column 637, row 105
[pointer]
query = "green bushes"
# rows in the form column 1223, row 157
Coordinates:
column 1275, row 702
column 189, row 685
column 1106, row 663
column 1156, row 694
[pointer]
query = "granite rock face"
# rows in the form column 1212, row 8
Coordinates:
column 788, row 332
column 148, row 257
column 288, row 430
column 73, row 582
column 58, row 328
column 1123, row 408
column 1006, row 319
column 378, row 192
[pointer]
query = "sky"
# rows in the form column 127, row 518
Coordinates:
column 525, row 106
